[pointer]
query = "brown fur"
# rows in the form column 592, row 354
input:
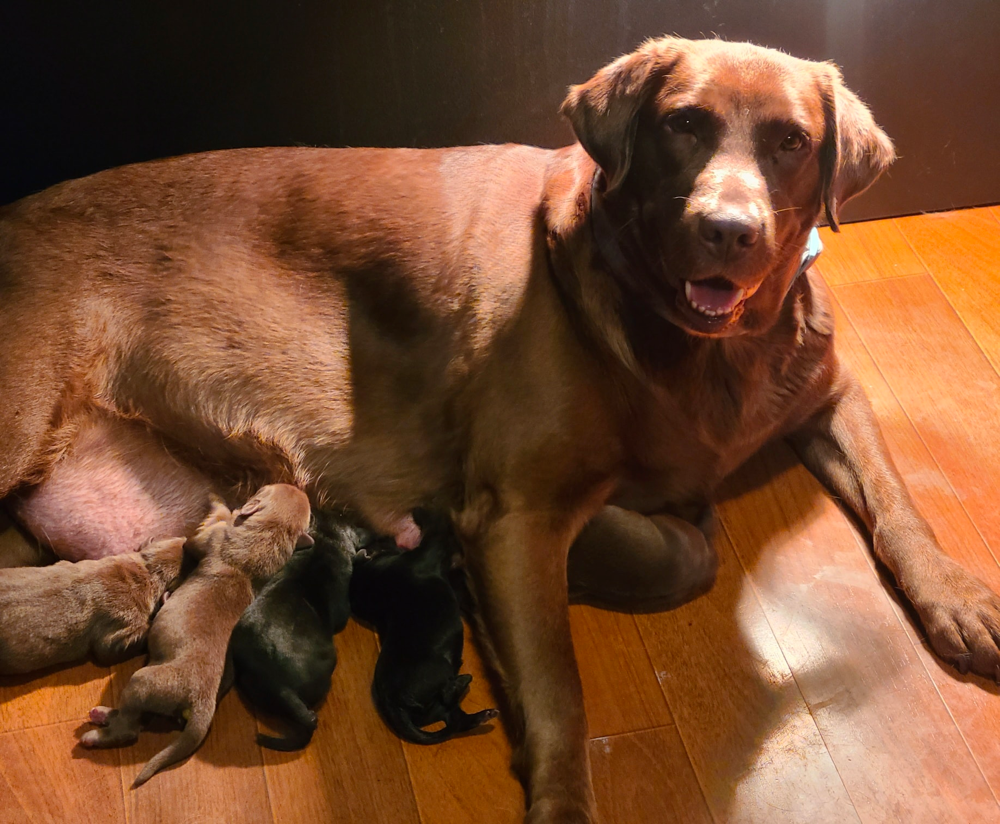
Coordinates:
column 64, row 612
column 188, row 640
column 395, row 327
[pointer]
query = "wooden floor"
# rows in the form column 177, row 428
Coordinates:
column 798, row 690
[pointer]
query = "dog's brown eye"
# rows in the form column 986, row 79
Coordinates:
column 682, row 122
column 793, row 142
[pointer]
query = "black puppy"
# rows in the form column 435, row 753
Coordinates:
column 282, row 648
column 409, row 600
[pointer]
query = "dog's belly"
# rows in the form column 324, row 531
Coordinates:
column 116, row 486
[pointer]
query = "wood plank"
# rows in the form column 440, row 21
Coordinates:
column 65, row 694
column 222, row 781
column 942, row 381
column 973, row 701
column 620, row 690
column 468, row 778
column 645, row 778
column 42, row 779
column 962, row 253
column 888, row 731
column 751, row 738
column 354, row 769
column 866, row 251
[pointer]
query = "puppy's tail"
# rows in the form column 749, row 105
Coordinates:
column 190, row 739
column 457, row 720
column 302, row 729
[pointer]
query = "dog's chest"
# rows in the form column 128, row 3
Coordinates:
column 702, row 421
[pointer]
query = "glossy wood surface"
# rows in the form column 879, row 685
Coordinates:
column 799, row 690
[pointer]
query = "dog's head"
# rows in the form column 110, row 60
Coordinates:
column 717, row 159
column 278, row 507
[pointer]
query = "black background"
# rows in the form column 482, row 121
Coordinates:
column 92, row 85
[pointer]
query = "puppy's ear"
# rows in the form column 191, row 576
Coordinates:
column 854, row 152
column 245, row 511
column 304, row 540
column 604, row 111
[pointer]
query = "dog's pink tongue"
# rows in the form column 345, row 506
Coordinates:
column 714, row 297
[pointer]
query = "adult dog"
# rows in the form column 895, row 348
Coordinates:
column 537, row 339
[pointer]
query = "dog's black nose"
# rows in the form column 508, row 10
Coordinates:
column 728, row 234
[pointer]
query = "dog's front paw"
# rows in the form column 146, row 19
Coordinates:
column 559, row 811
column 962, row 618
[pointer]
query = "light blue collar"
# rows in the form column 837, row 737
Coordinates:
column 814, row 248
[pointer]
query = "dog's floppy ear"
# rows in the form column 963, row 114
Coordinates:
column 604, row 111
column 854, row 152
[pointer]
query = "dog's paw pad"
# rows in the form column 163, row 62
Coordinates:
column 100, row 715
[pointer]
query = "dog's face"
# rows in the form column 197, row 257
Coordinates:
column 717, row 160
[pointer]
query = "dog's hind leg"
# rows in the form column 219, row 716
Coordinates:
column 38, row 355
column 305, row 721
column 624, row 560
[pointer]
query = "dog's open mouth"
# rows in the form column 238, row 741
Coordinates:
column 713, row 298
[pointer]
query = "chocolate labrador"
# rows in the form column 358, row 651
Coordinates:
column 541, row 340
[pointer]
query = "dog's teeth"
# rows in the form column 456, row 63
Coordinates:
column 711, row 313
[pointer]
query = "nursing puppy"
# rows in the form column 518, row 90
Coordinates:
column 407, row 597
column 238, row 551
column 64, row 612
column 282, row 648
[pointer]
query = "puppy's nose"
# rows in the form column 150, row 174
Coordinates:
column 728, row 234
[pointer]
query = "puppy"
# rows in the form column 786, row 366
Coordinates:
column 407, row 597
column 238, row 551
column 61, row 613
column 282, row 648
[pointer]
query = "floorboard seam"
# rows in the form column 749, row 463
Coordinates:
column 673, row 715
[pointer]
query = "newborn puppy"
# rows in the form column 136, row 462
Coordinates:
column 407, row 597
column 282, row 648
column 238, row 551
column 61, row 613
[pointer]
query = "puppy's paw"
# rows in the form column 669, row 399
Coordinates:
column 962, row 618
column 91, row 739
column 100, row 716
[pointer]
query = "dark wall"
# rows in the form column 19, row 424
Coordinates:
column 91, row 85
